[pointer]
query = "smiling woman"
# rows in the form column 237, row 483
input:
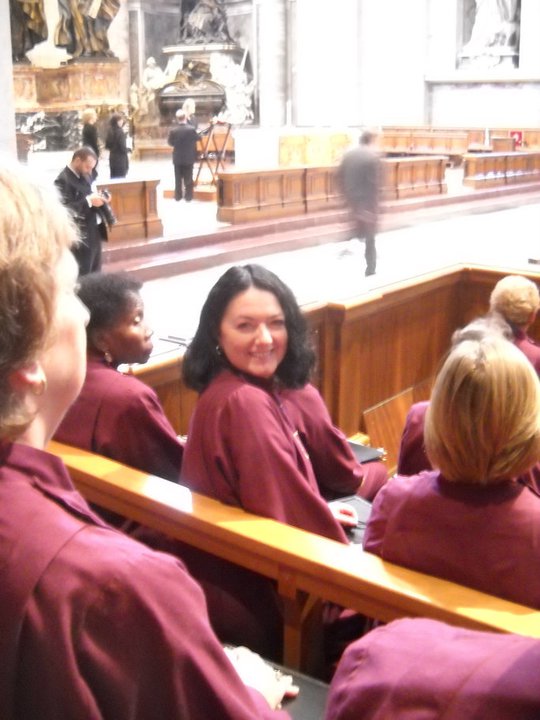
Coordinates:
column 261, row 437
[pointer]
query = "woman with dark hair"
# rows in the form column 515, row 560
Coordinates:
column 115, row 142
column 117, row 415
column 261, row 436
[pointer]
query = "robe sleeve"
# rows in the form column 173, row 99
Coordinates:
column 136, row 431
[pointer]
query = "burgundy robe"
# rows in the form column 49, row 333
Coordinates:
column 120, row 417
column 412, row 669
column 484, row 537
column 244, row 449
column 336, row 469
column 94, row 624
column 528, row 347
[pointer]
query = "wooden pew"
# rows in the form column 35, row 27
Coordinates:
column 305, row 566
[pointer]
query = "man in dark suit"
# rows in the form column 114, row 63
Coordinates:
column 183, row 139
column 75, row 185
column 359, row 179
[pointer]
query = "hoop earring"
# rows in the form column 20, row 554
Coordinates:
column 107, row 357
column 219, row 351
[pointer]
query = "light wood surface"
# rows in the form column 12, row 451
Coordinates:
column 305, row 566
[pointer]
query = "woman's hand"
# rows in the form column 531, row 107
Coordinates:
column 345, row 514
column 260, row 675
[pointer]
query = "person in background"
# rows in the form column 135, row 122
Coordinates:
column 419, row 668
column 468, row 520
column 183, row 139
column 94, row 624
column 77, row 193
column 115, row 414
column 89, row 130
column 359, row 179
column 260, row 436
column 116, row 144
column 516, row 300
column 188, row 108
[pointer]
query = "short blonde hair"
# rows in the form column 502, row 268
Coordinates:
column 35, row 228
column 88, row 115
column 516, row 298
column 483, row 422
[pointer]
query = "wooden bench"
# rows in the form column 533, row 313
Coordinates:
column 494, row 169
column 305, row 566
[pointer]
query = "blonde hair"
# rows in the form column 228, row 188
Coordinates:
column 483, row 422
column 516, row 298
column 89, row 115
column 35, row 228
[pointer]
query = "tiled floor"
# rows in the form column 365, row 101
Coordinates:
column 506, row 238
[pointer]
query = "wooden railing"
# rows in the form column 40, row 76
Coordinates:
column 260, row 194
column 492, row 169
column 304, row 566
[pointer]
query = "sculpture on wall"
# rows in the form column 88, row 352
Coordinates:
column 204, row 22
column 83, row 27
column 495, row 31
column 28, row 27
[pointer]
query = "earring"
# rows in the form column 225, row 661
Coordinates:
column 108, row 357
column 39, row 387
column 218, row 351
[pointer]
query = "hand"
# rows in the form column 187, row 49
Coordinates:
column 345, row 514
column 258, row 674
column 96, row 200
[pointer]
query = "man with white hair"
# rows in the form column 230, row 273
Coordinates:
column 183, row 139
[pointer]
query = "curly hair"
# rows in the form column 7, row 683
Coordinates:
column 203, row 361
column 516, row 298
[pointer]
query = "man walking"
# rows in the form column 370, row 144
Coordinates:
column 183, row 139
column 359, row 179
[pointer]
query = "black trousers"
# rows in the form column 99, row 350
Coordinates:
column 88, row 255
column 183, row 182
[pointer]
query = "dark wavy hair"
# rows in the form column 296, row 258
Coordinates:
column 203, row 360
column 107, row 297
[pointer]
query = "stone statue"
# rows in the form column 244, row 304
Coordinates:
column 83, row 26
column 153, row 78
column 496, row 27
column 206, row 22
column 28, row 27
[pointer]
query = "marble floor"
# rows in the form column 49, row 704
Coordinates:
column 332, row 271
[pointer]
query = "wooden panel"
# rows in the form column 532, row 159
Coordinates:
column 134, row 202
column 385, row 422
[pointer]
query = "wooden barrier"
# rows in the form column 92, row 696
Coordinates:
column 304, row 565
column 260, row 194
column 134, row 202
column 491, row 169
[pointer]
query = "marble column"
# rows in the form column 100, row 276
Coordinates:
column 270, row 18
column 8, row 143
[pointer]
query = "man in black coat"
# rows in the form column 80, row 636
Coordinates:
column 75, row 185
column 183, row 139
column 359, row 179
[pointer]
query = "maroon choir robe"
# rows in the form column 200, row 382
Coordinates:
column 420, row 668
column 485, row 537
column 336, row 469
column 528, row 347
column 120, row 417
column 94, row 624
